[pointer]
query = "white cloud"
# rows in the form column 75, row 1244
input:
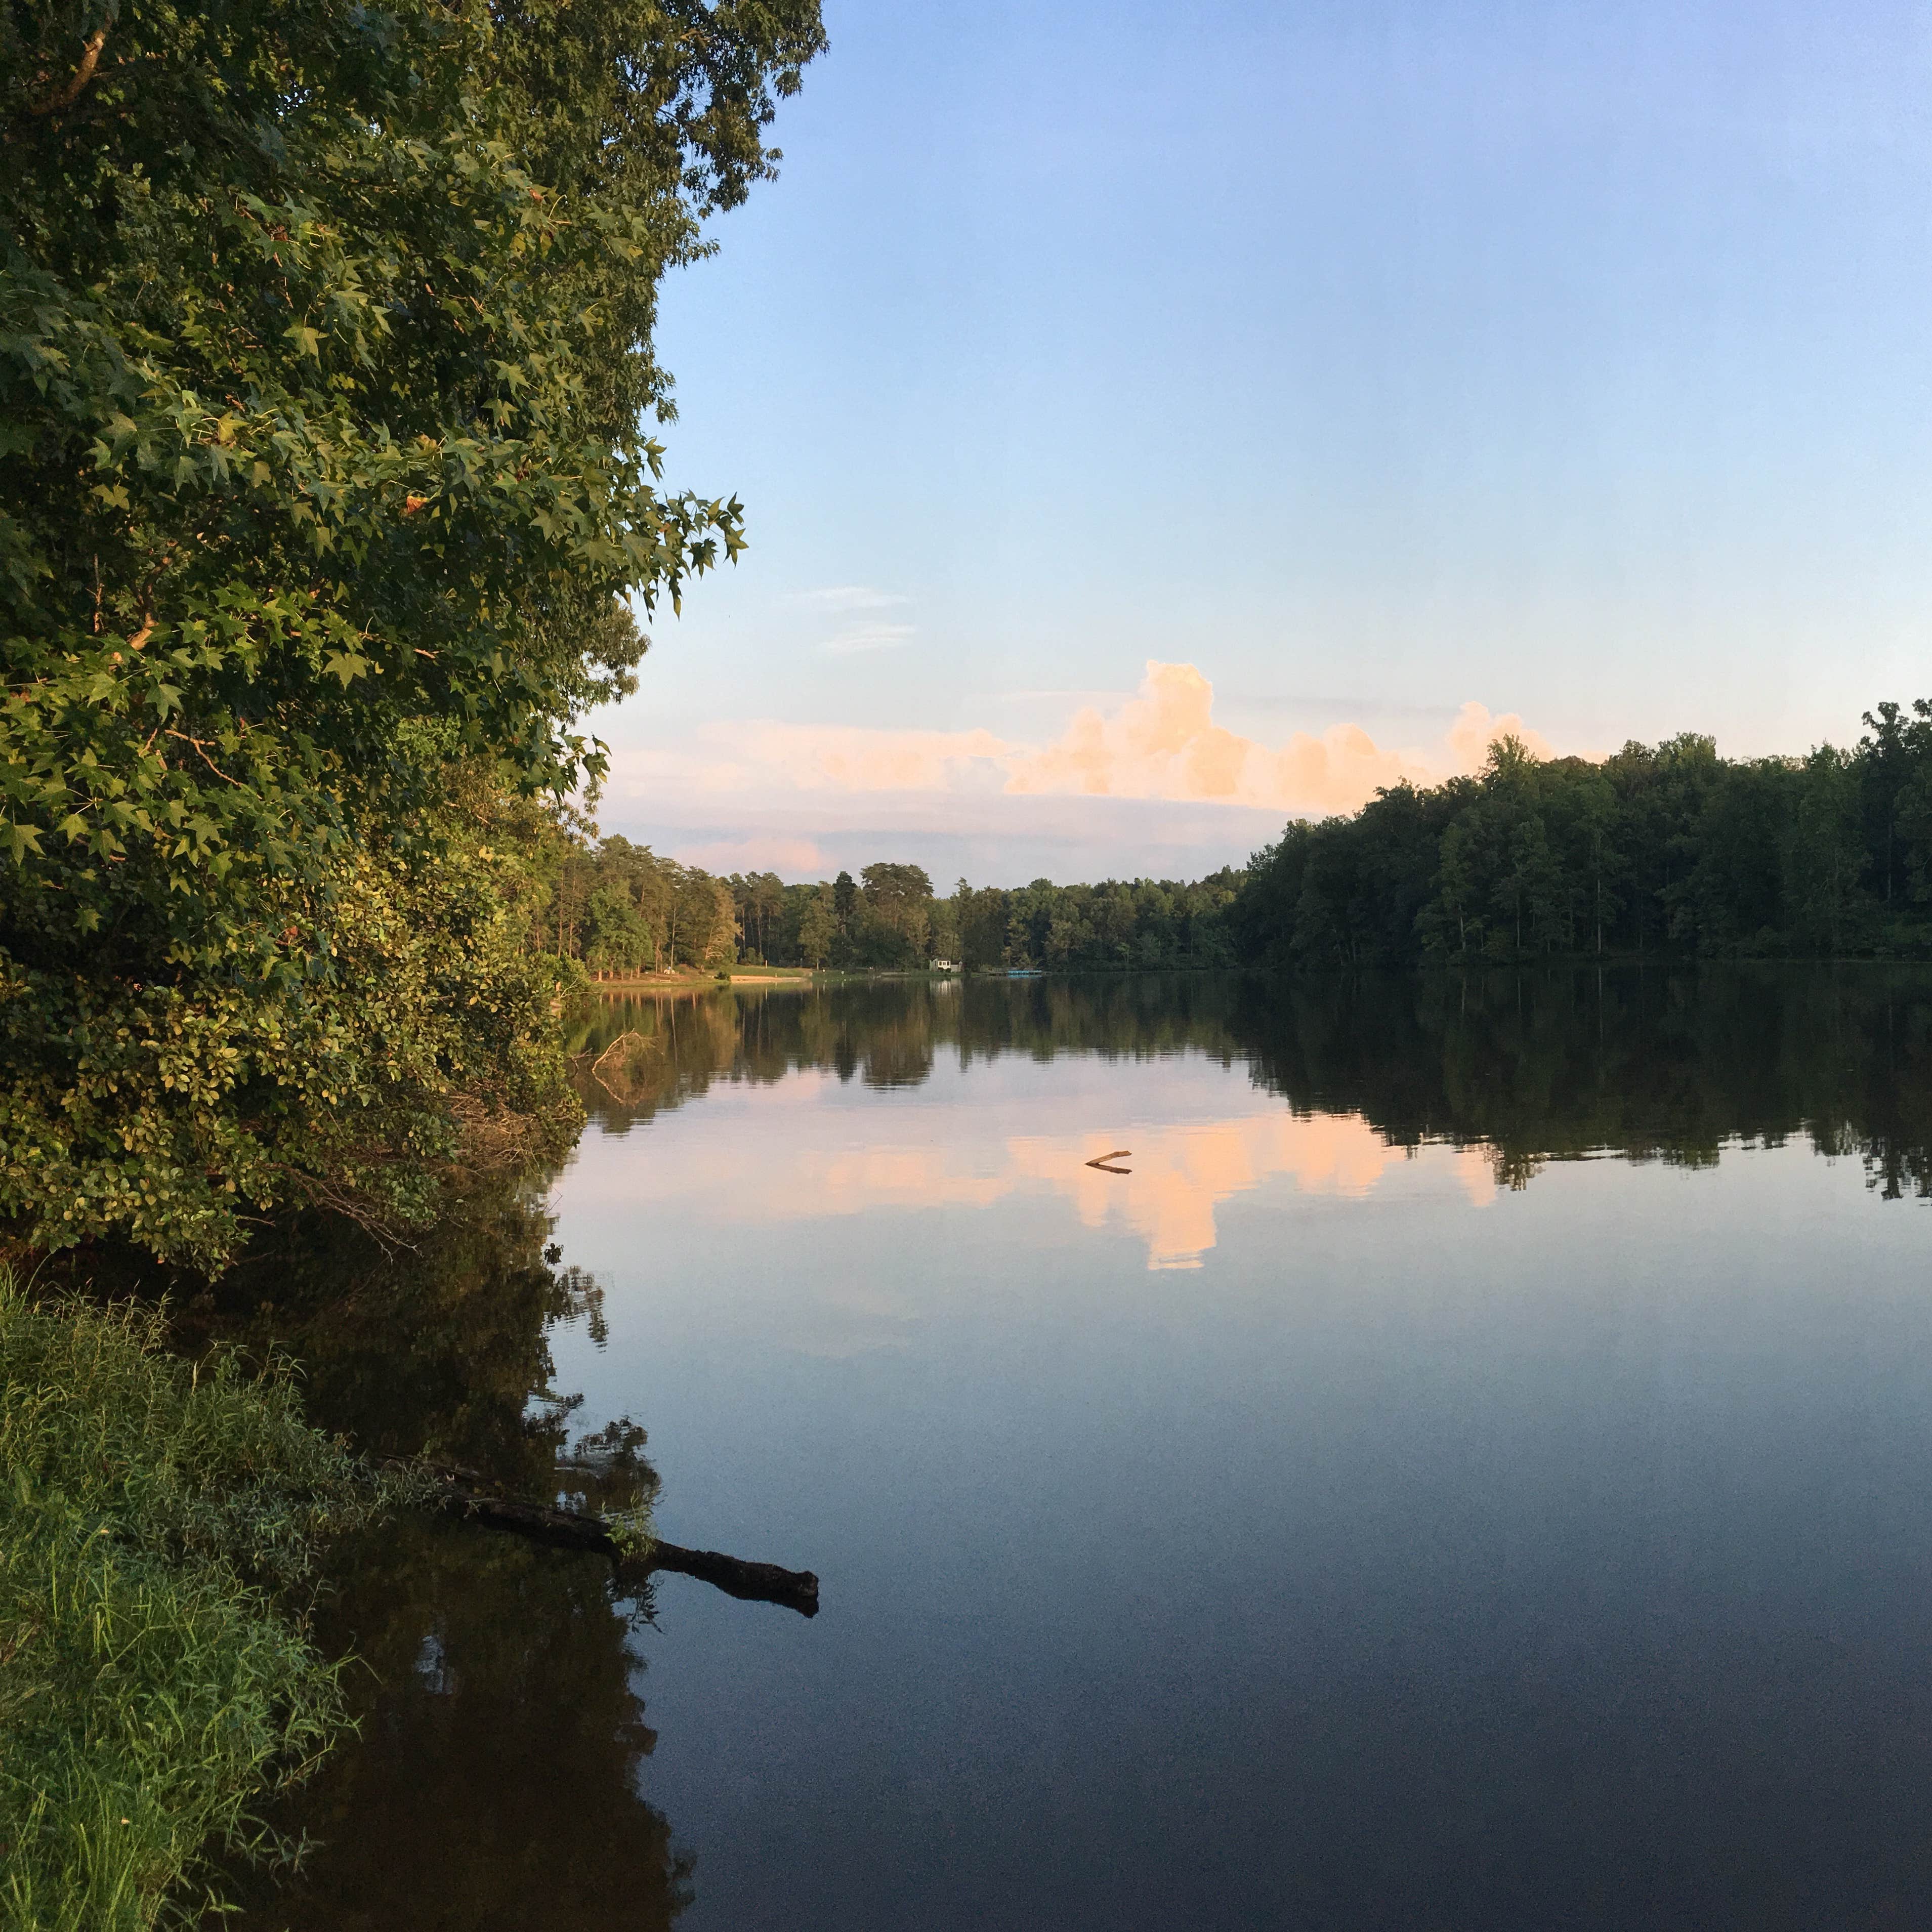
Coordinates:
column 1474, row 731
column 849, row 597
column 861, row 631
column 867, row 637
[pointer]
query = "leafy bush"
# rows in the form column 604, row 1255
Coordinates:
column 163, row 1110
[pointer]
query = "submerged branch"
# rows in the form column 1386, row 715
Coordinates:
column 572, row 1529
column 624, row 1040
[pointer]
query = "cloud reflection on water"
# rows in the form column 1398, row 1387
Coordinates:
column 1179, row 1175
column 1180, row 1171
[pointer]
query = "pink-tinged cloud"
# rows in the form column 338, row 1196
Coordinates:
column 1474, row 731
column 853, row 758
column 1163, row 743
column 777, row 854
column 1160, row 744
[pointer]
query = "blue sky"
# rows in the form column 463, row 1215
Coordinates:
column 1374, row 361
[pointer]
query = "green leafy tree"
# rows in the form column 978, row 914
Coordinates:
column 706, row 921
column 897, row 899
column 981, row 915
column 818, row 929
column 1594, row 831
column 1823, row 852
column 620, row 942
column 759, row 900
column 325, row 377
column 1458, row 921
column 944, row 933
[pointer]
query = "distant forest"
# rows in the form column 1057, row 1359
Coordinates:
column 621, row 909
column 1659, row 848
column 1663, row 848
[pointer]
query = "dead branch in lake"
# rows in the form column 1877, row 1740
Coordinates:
column 464, row 1495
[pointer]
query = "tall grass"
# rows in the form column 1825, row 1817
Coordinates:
column 159, row 1524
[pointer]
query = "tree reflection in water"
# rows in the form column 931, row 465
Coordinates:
column 1648, row 1061
column 495, row 1781
column 440, row 1349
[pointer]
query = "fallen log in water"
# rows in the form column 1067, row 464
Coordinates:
column 571, row 1529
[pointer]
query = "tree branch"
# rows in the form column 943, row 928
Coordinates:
column 570, row 1529
column 198, row 744
column 90, row 59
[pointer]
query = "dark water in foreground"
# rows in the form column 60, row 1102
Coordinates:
column 1473, row 1470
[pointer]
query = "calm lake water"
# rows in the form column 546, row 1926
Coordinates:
column 1473, row 1468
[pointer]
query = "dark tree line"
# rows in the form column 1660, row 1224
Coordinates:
column 622, row 909
column 1659, row 848
column 1143, row 922
column 889, row 916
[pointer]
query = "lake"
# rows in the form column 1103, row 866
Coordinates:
column 1465, row 1462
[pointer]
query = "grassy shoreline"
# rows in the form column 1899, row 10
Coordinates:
column 160, row 1526
column 692, row 980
